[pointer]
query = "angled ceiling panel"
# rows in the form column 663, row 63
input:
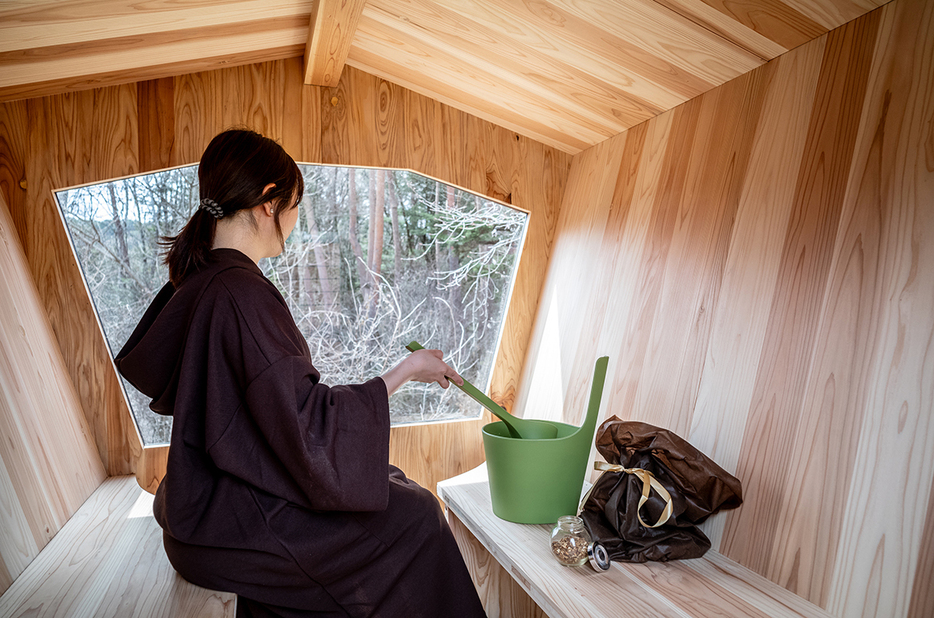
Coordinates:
column 569, row 73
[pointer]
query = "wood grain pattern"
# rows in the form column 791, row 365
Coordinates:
column 833, row 13
column 43, row 23
column 158, row 54
column 108, row 560
column 61, row 151
column 922, row 594
column 787, row 355
column 501, row 595
column 567, row 73
column 707, row 587
column 759, row 279
column 883, row 250
column 49, row 463
column 156, row 109
column 331, row 29
column 150, row 467
column 773, row 19
column 749, row 279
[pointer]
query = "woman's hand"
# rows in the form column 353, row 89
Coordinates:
column 421, row 366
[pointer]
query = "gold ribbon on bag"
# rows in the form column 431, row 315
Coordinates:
column 649, row 482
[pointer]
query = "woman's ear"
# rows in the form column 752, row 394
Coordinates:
column 268, row 207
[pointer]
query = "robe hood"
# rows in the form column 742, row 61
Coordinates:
column 152, row 357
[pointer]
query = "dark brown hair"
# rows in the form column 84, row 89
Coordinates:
column 235, row 168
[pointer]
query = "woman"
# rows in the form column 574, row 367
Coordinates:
column 278, row 488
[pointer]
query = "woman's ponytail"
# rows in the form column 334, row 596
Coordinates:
column 189, row 251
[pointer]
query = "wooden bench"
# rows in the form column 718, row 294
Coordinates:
column 706, row 587
column 108, row 560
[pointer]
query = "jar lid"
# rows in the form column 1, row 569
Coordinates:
column 599, row 559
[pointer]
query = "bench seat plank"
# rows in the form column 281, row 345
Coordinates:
column 107, row 560
column 707, row 587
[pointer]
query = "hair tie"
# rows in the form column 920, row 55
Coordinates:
column 212, row 207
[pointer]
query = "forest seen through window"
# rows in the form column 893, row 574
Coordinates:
column 378, row 258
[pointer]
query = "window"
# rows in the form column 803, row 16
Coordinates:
column 378, row 258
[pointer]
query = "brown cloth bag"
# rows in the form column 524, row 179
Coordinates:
column 698, row 488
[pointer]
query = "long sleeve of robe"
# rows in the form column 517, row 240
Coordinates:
column 277, row 486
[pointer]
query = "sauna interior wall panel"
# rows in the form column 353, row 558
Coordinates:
column 884, row 258
column 49, row 463
column 794, row 320
column 112, row 132
column 74, row 139
column 765, row 290
column 754, row 257
column 589, row 188
column 922, row 592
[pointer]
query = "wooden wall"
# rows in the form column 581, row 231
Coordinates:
column 759, row 265
column 48, row 462
column 76, row 138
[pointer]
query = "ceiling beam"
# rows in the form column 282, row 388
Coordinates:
column 330, row 33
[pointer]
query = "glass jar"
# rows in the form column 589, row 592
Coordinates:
column 570, row 541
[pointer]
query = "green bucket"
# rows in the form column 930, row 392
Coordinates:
column 535, row 481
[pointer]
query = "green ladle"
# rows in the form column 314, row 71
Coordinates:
column 528, row 429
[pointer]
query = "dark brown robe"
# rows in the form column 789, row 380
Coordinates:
column 278, row 487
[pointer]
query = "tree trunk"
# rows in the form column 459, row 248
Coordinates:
column 354, row 239
column 377, row 210
column 375, row 248
column 396, row 234
column 452, row 263
column 119, row 231
column 325, row 285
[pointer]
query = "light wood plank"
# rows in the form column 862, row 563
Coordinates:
column 787, row 353
column 501, row 596
column 888, row 214
column 703, row 215
column 493, row 96
column 58, row 131
column 18, row 546
column 628, row 247
column 771, row 19
column 156, row 110
column 670, row 37
column 545, row 185
column 732, row 358
column 551, row 32
column 411, row 448
column 127, row 54
column 108, row 560
column 50, row 463
column 833, row 13
column 150, row 467
column 922, row 592
column 490, row 50
column 28, row 24
column 754, row 257
column 331, row 29
column 806, row 365
column 543, row 392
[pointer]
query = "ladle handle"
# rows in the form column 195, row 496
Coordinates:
column 474, row 393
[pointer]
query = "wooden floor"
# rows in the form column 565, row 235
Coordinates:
column 108, row 560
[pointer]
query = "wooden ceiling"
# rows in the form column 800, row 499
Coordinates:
column 569, row 73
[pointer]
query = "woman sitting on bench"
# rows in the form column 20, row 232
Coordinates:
column 278, row 487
